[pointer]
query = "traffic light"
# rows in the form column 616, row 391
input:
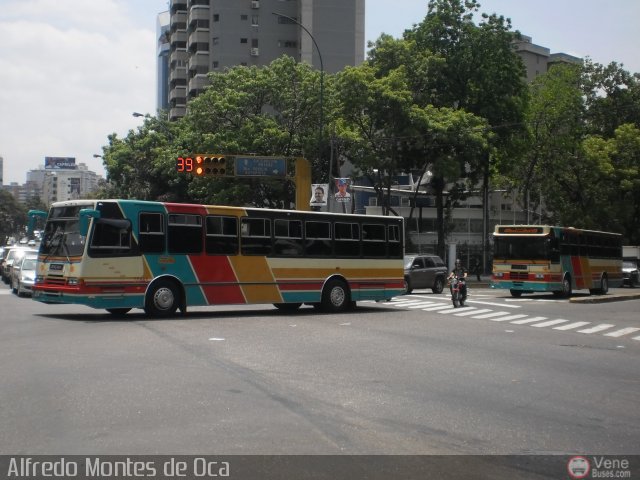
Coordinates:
column 206, row 165
column 212, row 165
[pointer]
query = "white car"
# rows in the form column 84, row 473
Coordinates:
column 24, row 275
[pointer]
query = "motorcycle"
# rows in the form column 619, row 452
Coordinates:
column 458, row 288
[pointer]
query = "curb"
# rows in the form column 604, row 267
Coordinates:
column 605, row 298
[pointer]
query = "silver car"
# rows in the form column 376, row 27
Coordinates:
column 23, row 275
column 424, row 271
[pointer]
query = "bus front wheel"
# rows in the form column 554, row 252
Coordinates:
column 162, row 299
column 118, row 311
column 335, row 296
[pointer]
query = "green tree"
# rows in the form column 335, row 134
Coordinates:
column 272, row 110
column 142, row 164
column 13, row 216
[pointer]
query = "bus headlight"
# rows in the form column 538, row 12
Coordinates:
column 498, row 274
column 539, row 276
column 39, row 279
column 73, row 281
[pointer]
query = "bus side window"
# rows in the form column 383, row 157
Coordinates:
column 256, row 236
column 395, row 242
column 152, row 234
column 222, row 235
column 185, row 233
column 374, row 244
column 288, row 238
column 317, row 238
column 347, row 239
column 110, row 237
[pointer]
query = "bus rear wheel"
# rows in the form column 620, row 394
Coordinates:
column 162, row 299
column 515, row 293
column 118, row 311
column 335, row 296
column 566, row 288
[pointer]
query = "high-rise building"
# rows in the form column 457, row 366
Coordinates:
column 211, row 35
column 163, row 51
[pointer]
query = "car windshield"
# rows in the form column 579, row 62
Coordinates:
column 408, row 261
column 29, row 264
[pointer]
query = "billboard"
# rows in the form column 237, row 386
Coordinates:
column 60, row 163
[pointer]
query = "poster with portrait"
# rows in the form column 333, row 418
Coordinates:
column 342, row 194
column 319, row 194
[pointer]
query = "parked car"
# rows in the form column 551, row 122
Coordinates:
column 630, row 275
column 23, row 275
column 424, row 271
column 15, row 254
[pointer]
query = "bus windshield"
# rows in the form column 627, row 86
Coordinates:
column 524, row 248
column 62, row 237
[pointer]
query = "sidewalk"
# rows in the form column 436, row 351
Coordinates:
column 615, row 295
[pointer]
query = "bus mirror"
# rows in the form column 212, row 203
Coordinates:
column 33, row 216
column 85, row 215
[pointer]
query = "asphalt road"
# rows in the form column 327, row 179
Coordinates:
column 395, row 378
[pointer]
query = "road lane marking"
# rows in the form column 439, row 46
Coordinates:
column 620, row 333
column 423, row 304
column 492, row 314
column 493, row 304
column 549, row 323
column 471, row 311
column 435, row 307
column 571, row 326
column 597, row 328
column 510, row 317
column 452, row 309
column 528, row 320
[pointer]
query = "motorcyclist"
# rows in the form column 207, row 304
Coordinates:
column 460, row 272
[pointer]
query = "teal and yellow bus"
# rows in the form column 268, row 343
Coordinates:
column 540, row 258
column 124, row 254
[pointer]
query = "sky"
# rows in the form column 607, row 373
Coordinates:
column 72, row 72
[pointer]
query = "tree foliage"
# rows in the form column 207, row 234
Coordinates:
column 447, row 101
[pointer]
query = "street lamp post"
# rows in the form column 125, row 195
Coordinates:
column 321, row 84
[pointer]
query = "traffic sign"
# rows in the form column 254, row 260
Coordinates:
column 261, row 166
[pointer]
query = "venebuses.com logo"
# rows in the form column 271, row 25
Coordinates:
column 598, row 467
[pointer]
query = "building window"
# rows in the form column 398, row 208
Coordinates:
column 243, row 40
column 244, row 17
column 254, row 20
column 216, row 17
column 254, row 43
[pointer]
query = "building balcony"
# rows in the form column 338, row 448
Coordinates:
column 179, row 95
column 198, row 12
column 197, row 84
column 177, row 5
column 177, row 112
column 178, row 57
column 199, row 36
column 200, row 59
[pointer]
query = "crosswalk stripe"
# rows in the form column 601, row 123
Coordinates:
column 620, row 333
column 450, row 310
column 492, row 314
column 549, row 323
column 571, row 326
column 435, row 307
column 510, row 317
column 471, row 311
column 635, row 338
column 597, row 328
column 423, row 304
column 528, row 320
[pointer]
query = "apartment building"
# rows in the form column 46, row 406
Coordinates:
column 212, row 35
